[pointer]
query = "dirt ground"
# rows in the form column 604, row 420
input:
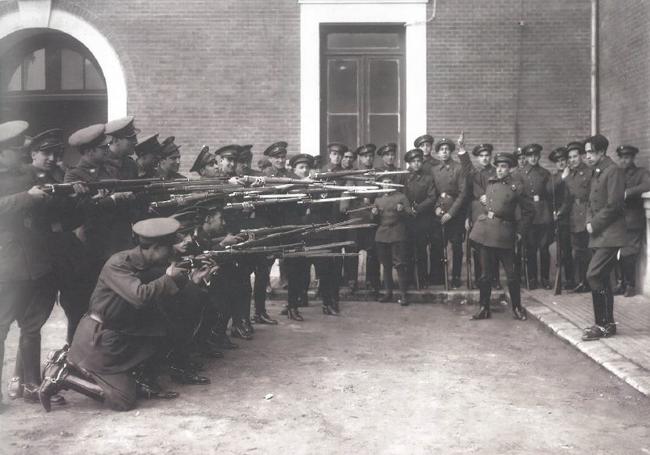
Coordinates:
column 378, row 379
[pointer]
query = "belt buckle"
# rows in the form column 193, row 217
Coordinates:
column 444, row 195
column 490, row 215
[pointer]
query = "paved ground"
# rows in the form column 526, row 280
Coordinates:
column 379, row 379
column 627, row 354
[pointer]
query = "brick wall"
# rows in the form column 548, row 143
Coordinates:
column 507, row 83
column 208, row 72
column 624, row 73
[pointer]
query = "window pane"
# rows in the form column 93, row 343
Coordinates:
column 384, row 129
column 71, row 70
column 342, row 86
column 384, row 86
column 342, row 128
column 94, row 80
column 34, row 67
column 364, row 40
column 15, row 84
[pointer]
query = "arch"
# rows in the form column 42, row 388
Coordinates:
column 89, row 36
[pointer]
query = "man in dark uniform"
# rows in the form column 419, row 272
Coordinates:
column 560, row 156
column 205, row 164
column 521, row 159
column 478, row 180
column 576, row 199
column 496, row 231
column 107, row 225
column 607, row 233
column 348, row 160
column 244, row 165
column 350, row 265
column 364, row 238
column 123, row 328
column 425, row 143
column 421, row 193
column 148, row 154
column 26, row 281
column 123, row 138
column 451, row 185
column 277, row 155
column 170, row 160
column 637, row 182
column 538, row 187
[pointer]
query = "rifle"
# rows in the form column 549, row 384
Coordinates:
column 468, row 260
column 558, row 250
column 524, row 261
column 444, row 257
column 360, row 209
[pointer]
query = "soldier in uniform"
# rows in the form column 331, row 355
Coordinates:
column 391, row 211
column 521, row 159
column 123, row 138
column 205, row 164
column 148, row 154
column 170, row 160
column 425, row 143
column 451, row 183
column 277, row 156
column 123, row 328
column 348, row 160
column 421, row 193
column 559, row 157
column 496, row 231
column 538, row 187
column 637, row 182
column 478, row 179
column 26, row 280
column 335, row 152
column 576, row 199
column 350, row 264
column 607, row 233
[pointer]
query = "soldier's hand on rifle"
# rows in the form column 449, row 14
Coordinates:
column 445, row 218
column 556, row 216
column 565, row 172
column 36, row 193
column 439, row 211
column 399, row 207
column 198, row 275
column 590, row 229
column 80, row 188
column 101, row 193
column 467, row 226
column 483, row 199
column 123, row 196
column 231, row 239
column 366, row 201
column 461, row 140
column 374, row 211
column 175, row 272
column 518, row 237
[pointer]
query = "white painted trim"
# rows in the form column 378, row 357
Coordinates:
column 313, row 14
column 89, row 36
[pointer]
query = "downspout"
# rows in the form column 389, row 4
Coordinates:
column 594, row 66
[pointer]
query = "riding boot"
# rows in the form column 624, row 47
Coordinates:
column 402, row 276
column 485, row 289
column 599, row 307
column 518, row 312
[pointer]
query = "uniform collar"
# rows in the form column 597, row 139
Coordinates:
column 136, row 258
column 604, row 163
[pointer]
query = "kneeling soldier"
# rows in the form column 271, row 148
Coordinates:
column 496, row 231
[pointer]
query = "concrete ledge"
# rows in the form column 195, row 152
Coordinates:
column 617, row 364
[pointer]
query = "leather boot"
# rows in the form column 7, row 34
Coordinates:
column 599, row 307
column 294, row 314
column 336, row 309
column 518, row 311
column 403, row 286
column 484, row 302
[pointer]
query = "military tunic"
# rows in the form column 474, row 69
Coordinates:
column 421, row 193
column 637, row 182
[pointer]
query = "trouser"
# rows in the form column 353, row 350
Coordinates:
column 351, row 265
column 298, row 285
column 478, row 270
column 262, row 269
column 417, row 256
column 329, row 277
column 537, row 241
column 30, row 304
column 221, row 302
column 454, row 233
column 567, row 256
column 366, row 241
column 581, row 254
column 488, row 256
column 629, row 255
column 598, row 276
column 394, row 255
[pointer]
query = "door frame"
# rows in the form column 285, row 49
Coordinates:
column 313, row 13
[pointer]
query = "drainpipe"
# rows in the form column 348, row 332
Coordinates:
column 594, row 66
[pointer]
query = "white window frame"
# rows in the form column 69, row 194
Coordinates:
column 313, row 13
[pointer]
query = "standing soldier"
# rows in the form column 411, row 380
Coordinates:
column 637, row 182
column 335, row 152
column 521, row 159
column 425, row 143
column 496, row 231
column 170, row 160
column 392, row 210
column 350, row 264
column 421, row 194
column 123, row 138
column 277, row 155
column 537, row 185
column 560, row 156
column 606, row 227
column 148, row 154
column 205, row 164
column 576, row 199
column 26, row 280
column 450, row 181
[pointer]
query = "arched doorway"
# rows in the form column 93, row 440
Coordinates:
column 50, row 80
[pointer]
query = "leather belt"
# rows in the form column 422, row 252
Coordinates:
column 491, row 215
